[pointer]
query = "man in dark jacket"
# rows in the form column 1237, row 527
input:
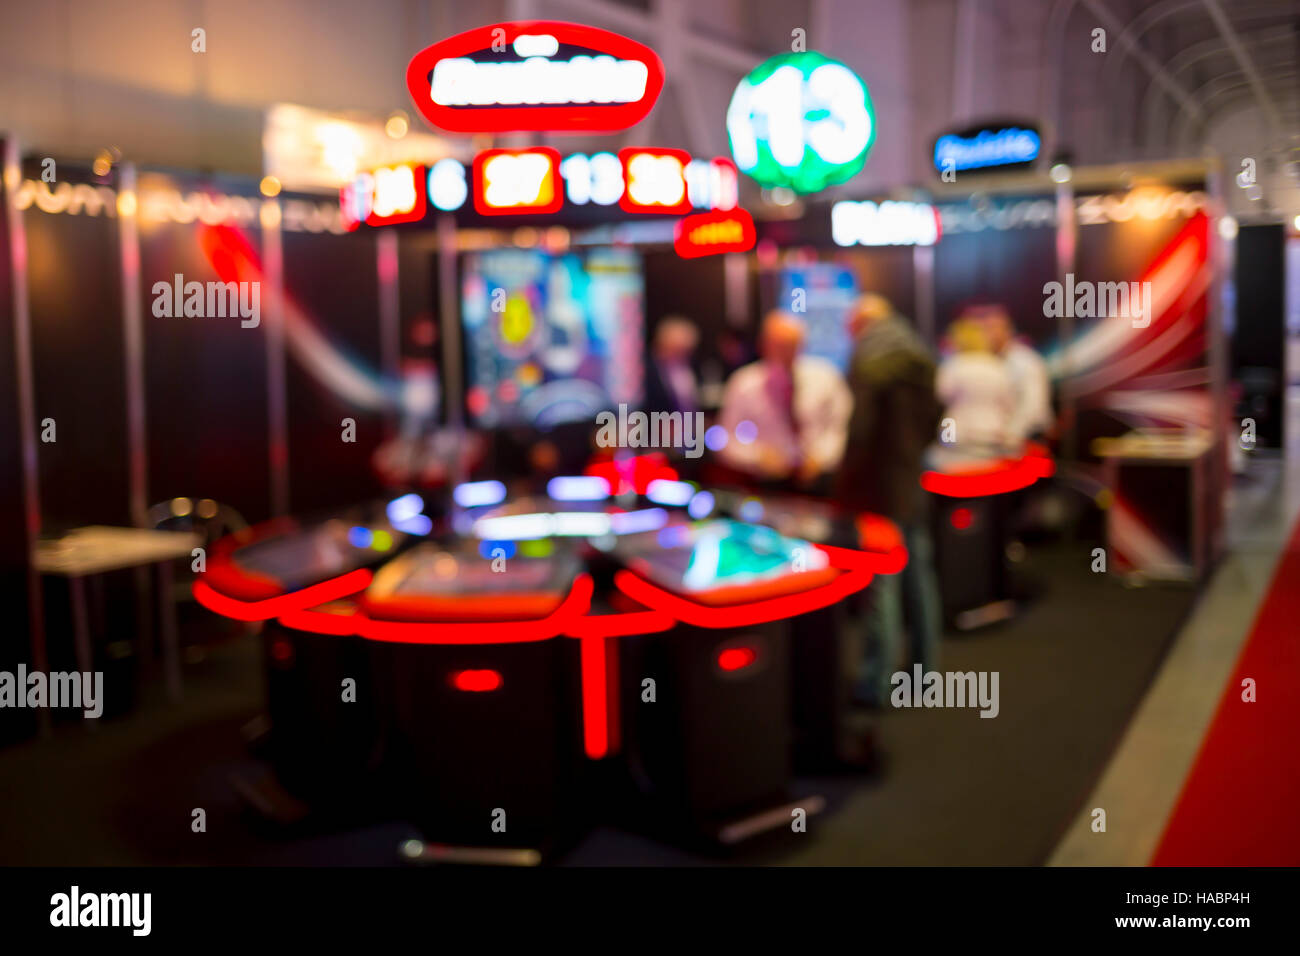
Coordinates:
column 895, row 417
column 670, row 384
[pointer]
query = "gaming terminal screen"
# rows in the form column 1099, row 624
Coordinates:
column 551, row 338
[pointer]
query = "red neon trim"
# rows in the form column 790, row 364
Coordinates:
column 620, row 625
column 688, row 248
column 225, row 576
column 264, row 610
column 633, row 473
column 595, row 704
column 497, row 632
column 736, row 658
column 481, row 205
column 477, row 681
column 577, row 118
column 628, row 204
column 740, row 615
column 877, row 562
column 321, row 622
column 998, row 479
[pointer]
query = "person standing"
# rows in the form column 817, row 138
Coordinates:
column 895, row 417
column 978, row 394
column 670, row 379
column 1032, row 416
column 785, row 414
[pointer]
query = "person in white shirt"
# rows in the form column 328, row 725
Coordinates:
column 977, row 392
column 1033, row 412
column 787, row 414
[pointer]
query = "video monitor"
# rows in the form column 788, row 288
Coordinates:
column 826, row 292
column 549, row 338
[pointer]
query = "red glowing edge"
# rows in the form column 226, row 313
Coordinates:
column 477, row 681
column 575, row 118
column 690, row 248
column 736, row 658
column 998, row 479
column 877, row 562
column 267, row 608
column 620, row 625
column 632, row 474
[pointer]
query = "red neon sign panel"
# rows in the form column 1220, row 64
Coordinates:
column 711, row 233
column 654, row 180
column 385, row 196
column 539, row 75
column 513, row 181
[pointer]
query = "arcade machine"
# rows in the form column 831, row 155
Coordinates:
column 322, row 742
column 473, row 696
column 974, row 499
column 707, row 703
column 829, row 643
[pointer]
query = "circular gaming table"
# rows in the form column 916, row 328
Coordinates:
column 485, row 667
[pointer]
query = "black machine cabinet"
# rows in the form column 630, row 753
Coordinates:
column 486, row 738
column 714, row 745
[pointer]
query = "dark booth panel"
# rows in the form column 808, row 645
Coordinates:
column 78, row 355
column 333, row 283
column 694, row 288
column 1258, row 336
column 889, row 271
column 1008, row 266
column 206, row 385
column 15, row 646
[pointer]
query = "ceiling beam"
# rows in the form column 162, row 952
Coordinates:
column 1245, row 62
column 1144, row 59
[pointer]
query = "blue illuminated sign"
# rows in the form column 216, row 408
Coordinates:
column 985, row 147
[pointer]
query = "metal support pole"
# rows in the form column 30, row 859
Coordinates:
column 276, row 372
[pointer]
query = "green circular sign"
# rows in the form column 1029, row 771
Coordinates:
column 801, row 120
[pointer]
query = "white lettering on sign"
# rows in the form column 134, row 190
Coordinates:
column 885, row 224
column 712, row 185
column 826, row 113
column 447, row 187
column 460, row 81
column 597, row 178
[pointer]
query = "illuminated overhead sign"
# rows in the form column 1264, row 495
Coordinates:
column 711, row 233
column 538, row 181
column 802, row 121
column 885, row 224
column 991, row 145
column 654, row 180
column 537, row 75
column 514, row 181
column 385, row 196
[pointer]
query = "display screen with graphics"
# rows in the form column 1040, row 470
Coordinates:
column 826, row 292
column 551, row 338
